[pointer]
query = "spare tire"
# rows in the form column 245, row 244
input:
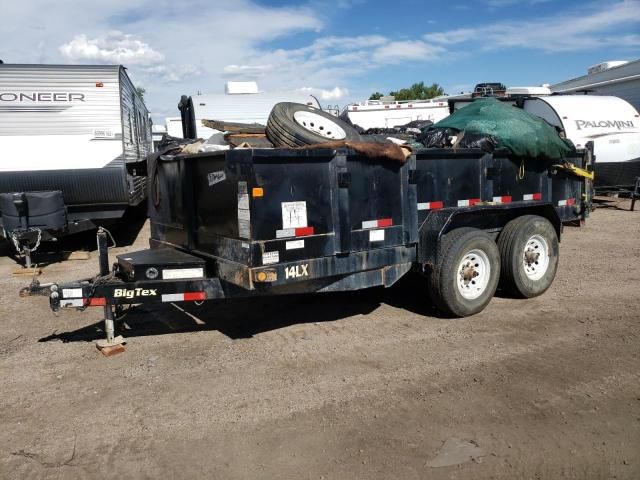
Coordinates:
column 296, row 125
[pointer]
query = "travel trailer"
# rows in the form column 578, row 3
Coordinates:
column 67, row 134
column 611, row 123
column 242, row 102
column 389, row 114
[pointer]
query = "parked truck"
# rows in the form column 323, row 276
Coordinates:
column 251, row 222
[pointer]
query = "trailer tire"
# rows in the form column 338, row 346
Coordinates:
column 466, row 272
column 529, row 254
column 296, row 125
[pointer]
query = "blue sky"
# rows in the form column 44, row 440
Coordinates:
column 343, row 49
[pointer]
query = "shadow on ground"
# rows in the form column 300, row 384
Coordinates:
column 247, row 317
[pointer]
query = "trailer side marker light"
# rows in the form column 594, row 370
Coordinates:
column 532, row 196
column 96, row 302
column 304, row 231
column 430, row 205
column 257, row 192
column 469, row 202
column 381, row 223
column 268, row 275
column 502, row 199
column 99, row 84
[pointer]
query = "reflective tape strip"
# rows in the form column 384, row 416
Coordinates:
column 502, row 199
column 532, row 196
column 304, row 231
column 566, row 203
column 469, row 202
column 383, row 222
column 287, row 232
column 295, row 232
column 183, row 297
column 430, row 205
column 96, row 302
column 172, row 297
column 370, row 224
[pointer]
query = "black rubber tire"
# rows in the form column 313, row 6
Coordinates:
column 442, row 279
column 283, row 131
column 511, row 243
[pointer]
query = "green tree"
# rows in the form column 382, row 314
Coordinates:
column 418, row 91
column 376, row 96
column 141, row 91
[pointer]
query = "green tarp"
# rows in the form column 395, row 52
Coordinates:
column 523, row 134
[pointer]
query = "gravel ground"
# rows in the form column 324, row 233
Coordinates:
column 365, row 385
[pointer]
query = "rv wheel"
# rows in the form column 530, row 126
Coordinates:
column 529, row 253
column 295, row 125
column 466, row 272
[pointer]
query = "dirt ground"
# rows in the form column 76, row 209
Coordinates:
column 336, row 386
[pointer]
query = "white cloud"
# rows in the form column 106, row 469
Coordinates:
column 400, row 51
column 246, row 71
column 335, row 93
column 588, row 28
column 175, row 48
column 114, row 47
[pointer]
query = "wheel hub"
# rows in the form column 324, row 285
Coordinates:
column 474, row 271
column 535, row 258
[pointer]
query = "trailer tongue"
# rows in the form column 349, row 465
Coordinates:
column 270, row 222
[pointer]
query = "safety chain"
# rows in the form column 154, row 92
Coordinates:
column 16, row 241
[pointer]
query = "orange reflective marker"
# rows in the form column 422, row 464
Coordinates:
column 257, row 192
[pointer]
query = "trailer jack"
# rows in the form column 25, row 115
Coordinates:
column 111, row 344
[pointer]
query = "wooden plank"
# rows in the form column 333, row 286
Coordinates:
column 234, row 126
column 27, row 272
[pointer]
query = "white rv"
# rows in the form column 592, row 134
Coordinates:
column 69, row 130
column 389, row 114
column 242, row 102
column 611, row 123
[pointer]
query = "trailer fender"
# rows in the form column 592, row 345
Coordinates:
column 490, row 218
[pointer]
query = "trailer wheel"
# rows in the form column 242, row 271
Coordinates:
column 296, row 125
column 466, row 272
column 529, row 253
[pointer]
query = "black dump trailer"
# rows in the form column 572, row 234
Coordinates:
column 249, row 222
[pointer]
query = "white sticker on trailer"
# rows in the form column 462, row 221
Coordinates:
column 376, row 235
column 292, row 245
column 216, row 177
column 294, row 215
column 71, row 293
column 103, row 133
column 270, row 257
column 74, row 302
column 177, row 273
